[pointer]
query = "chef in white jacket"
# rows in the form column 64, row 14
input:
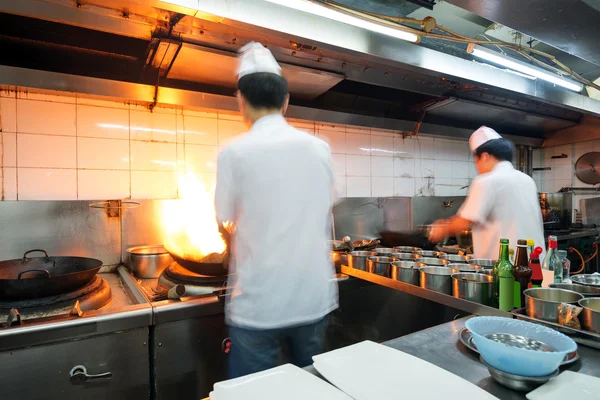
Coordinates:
column 502, row 202
column 274, row 185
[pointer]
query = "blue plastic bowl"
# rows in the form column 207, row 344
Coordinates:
column 517, row 361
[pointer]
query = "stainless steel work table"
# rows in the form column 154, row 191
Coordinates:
column 440, row 346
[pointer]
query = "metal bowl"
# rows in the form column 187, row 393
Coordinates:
column 455, row 258
column 384, row 251
column 542, row 303
column 586, row 291
column 430, row 253
column 516, row 382
column 478, row 288
column 148, row 261
column 358, row 259
column 406, row 249
column 437, row 279
column 434, row 262
column 406, row 271
column 485, row 263
column 406, row 256
column 587, row 279
column 590, row 316
column 465, row 267
column 379, row 265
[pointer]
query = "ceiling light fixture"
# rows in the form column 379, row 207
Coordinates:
column 516, row 65
column 325, row 12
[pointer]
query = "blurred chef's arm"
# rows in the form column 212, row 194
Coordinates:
column 475, row 210
column 225, row 195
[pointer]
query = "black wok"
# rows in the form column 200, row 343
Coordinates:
column 30, row 278
column 202, row 268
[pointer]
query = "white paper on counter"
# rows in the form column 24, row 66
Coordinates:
column 568, row 385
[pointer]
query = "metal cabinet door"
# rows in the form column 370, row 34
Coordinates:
column 43, row 372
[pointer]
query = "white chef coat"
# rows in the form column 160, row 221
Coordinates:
column 503, row 204
column 275, row 184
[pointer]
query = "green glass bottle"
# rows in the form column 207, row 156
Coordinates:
column 504, row 279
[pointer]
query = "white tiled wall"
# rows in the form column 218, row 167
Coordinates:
column 63, row 147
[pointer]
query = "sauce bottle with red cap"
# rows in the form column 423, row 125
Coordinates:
column 536, row 268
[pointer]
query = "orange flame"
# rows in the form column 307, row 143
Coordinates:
column 190, row 226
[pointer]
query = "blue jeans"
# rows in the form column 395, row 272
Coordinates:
column 254, row 350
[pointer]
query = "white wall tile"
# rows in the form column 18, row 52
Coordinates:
column 382, row 146
column 460, row 169
column 358, row 144
column 562, row 172
column 460, row 188
column 155, row 126
column 102, row 185
column 358, row 186
column 229, row 116
column 8, row 183
column 548, row 185
column 325, row 126
column 209, row 179
column 560, row 183
column 336, row 140
column 444, row 187
column 46, row 151
column 102, row 122
column 200, row 159
column 199, row 112
column 340, row 186
column 459, row 150
column 227, row 130
column 424, row 167
column 404, row 147
column 44, row 117
column 198, row 130
column 472, row 170
column 442, row 169
column 404, row 187
column 538, row 158
column 305, row 126
column 8, row 93
column 382, row 166
column 149, row 156
column 443, row 149
column 153, row 185
column 364, row 130
column 47, row 184
column 53, row 96
column 404, row 167
column 93, row 153
column 382, row 187
column 8, row 114
column 425, row 186
column 339, row 164
column 8, row 147
column 82, row 100
column 358, row 165
column 424, row 148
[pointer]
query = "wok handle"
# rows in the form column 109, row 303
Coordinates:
column 79, row 374
column 44, row 271
column 34, row 250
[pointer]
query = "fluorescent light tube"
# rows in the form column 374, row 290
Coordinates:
column 316, row 9
column 522, row 67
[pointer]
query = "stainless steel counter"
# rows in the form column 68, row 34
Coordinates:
column 440, row 346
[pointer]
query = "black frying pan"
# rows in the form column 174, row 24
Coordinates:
column 30, row 278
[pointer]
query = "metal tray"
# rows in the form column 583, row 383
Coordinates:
column 466, row 338
column 585, row 338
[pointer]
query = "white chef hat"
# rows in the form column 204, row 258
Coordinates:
column 254, row 57
column 481, row 136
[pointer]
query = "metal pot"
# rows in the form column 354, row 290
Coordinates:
column 358, row 259
column 384, row 251
column 379, row 265
column 478, row 288
column 148, row 261
column 430, row 253
column 587, row 279
column 484, row 263
column 406, row 249
column 434, row 262
column 467, row 268
column 590, row 316
column 406, row 256
column 437, row 279
column 455, row 258
column 542, row 303
column 586, row 291
column 338, row 258
column 31, row 278
column 406, row 271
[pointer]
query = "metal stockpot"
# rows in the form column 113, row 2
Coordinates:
column 358, row 259
column 590, row 316
column 434, row 262
column 406, row 256
column 437, row 279
column 430, row 253
column 148, row 261
column 542, row 303
column 478, row 288
column 406, row 249
column 406, row 271
column 384, row 251
column 455, row 258
column 379, row 265
column 586, row 291
column 485, row 263
column 466, row 268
